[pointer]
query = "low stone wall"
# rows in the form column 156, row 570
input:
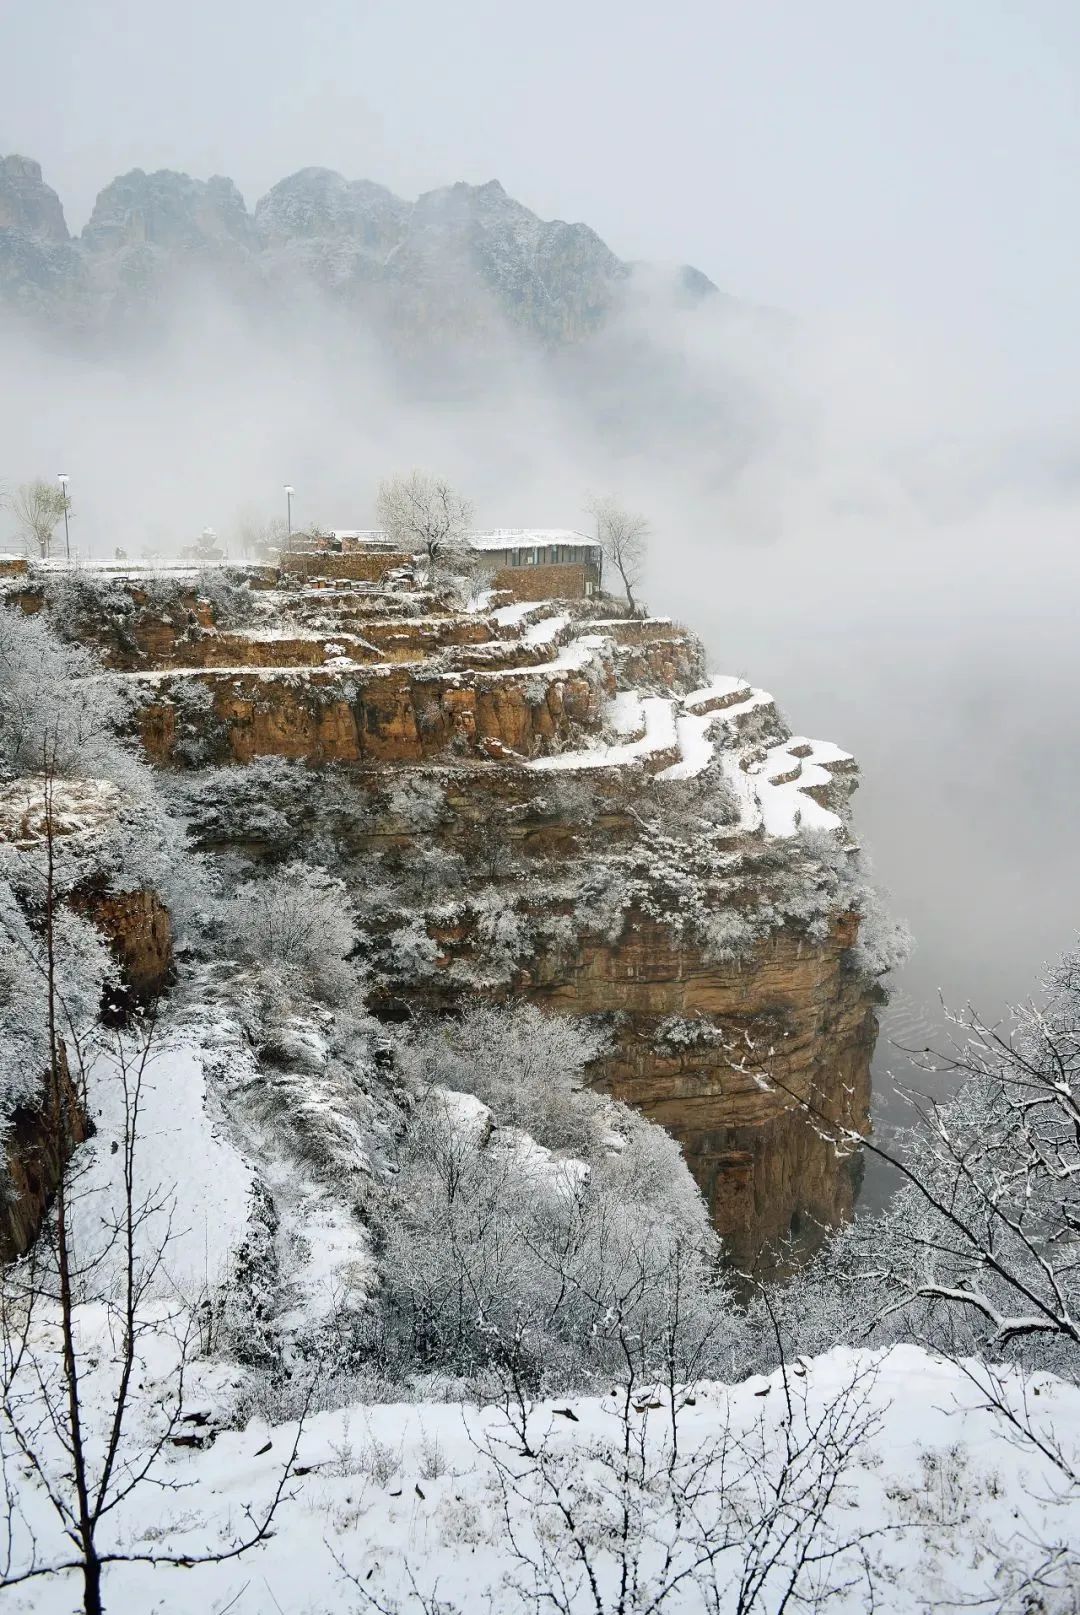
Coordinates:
column 566, row 582
column 361, row 566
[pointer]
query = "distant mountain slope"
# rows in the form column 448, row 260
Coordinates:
column 447, row 265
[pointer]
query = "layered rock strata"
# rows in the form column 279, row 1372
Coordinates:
column 564, row 808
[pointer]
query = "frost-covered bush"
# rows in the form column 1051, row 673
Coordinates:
column 684, row 871
column 418, row 802
column 78, row 600
column 82, row 967
column 412, row 954
column 431, row 872
column 83, row 603
column 57, row 714
column 232, row 602
column 497, row 1253
column 104, row 840
column 527, row 1067
column 201, row 737
column 569, row 799
column 503, row 933
column 688, row 1032
column 266, row 802
column 298, row 924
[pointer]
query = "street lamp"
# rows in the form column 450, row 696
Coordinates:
column 63, row 481
column 289, row 491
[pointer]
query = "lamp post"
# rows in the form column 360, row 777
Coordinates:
column 289, row 491
column 63, row 480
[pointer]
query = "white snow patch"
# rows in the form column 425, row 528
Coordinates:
column 941, row 1494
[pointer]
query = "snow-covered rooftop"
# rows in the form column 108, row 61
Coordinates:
column 492, row 538
column 512, row 538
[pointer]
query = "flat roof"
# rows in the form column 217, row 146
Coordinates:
column 490, row 538
column 514, row 538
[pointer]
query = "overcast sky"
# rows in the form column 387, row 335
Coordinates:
column 914, row 157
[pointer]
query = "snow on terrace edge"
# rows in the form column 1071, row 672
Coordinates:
column 772, row 791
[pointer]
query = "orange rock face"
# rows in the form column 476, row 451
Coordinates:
column 137, row 927
column 790, row 1022
column 38, row 1146
column 391, row 715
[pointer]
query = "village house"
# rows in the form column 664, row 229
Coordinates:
column 532, row 563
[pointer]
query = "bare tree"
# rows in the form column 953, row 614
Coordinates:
column 38, row 508
column 755, row 1516
column 259, row 537
column 623, row 535
column 423, row 514
column 978, row 1254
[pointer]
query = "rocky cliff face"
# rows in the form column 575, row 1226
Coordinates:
column 695, row 1037
column 39, row 1135
column 41, row 271
column 551, row 801
column 38, row 1144
column 447, row 266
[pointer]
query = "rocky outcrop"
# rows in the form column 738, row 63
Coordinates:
column 38, row 1144
column 169, row 211
column 138, row 929
column 693, row 1040
column 556, row 803
column 27, row 204
column 316, row 210
column 385, row 713
column 41, row 271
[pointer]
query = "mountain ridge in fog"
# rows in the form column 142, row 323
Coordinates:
column 441, row 267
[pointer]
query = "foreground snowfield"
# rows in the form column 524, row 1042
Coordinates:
column 883, row 1480
column 938, row 1508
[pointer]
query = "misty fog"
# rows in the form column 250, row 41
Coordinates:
column 849, row 518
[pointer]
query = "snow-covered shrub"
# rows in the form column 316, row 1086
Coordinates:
column 690, row 807
column 527, row 1067
column 688, row 1032
column 201, row 737
column 412, row 953
column 105, row 840
column 418, row 802
column 83, row 599
column 425, row 873
column 569, row 799
column 82, row 968
column 79, row 600
column 498, row 1254
column 232, row 602
column 503, row 933
column 884, row 942
column 57, row 713
column 265, row 801
column 298, row 923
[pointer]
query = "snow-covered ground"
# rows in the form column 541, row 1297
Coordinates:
column 936, row 1509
